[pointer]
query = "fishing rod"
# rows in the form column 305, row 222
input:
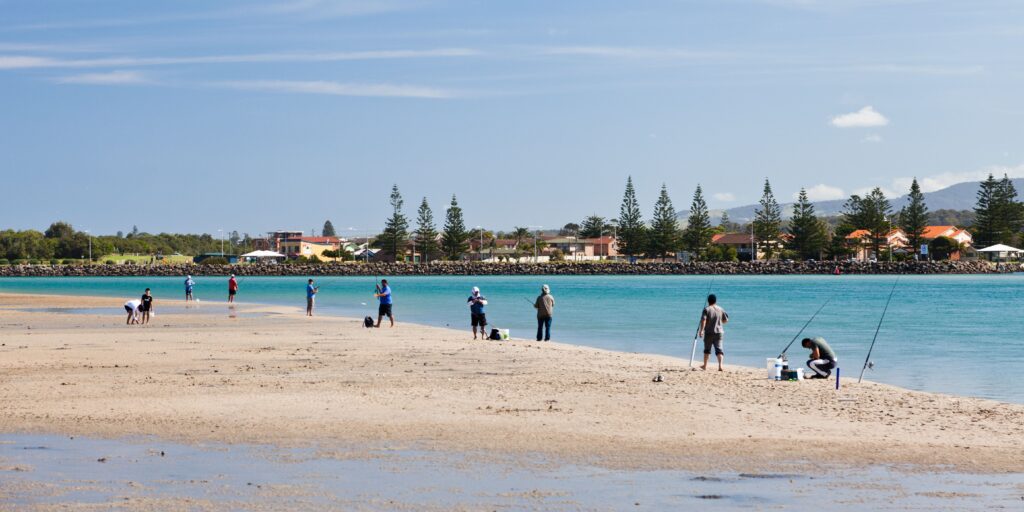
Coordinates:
column 801, row 331
column 693, row 350
column 867, row 360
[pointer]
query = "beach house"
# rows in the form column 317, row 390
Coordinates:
column 863, row 245
column 742, row 243
column 308, row 246
column 961, row 237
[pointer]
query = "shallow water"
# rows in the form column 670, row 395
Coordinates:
column 56, row 470
column 957, row 334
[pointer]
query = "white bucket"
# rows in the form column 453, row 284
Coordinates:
column 799, row 374
column 774, row 365
column 504, row 333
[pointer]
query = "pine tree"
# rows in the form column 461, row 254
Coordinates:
column 697, row 235
column 914, row 217
column 664, row 235
column 871, row 213
column 592, row 227
column 454, row 239
column 725, row 223
column 808, row 232
column 396, row 231
column 328, row 229
column 767, row 221
column 1011, row 215
column 632, row 233
column 986, row 229
column 426, row 231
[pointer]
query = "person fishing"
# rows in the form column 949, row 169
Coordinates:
column 477, row 317
column 822, row 359
column 712, row 329
column 384, row 295
column 232, row 288
column 189, row 284
column 310, row 297
column 545, row 306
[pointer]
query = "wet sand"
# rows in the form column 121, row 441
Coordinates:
column 270, row 375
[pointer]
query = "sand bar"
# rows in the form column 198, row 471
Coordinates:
column 286, row 379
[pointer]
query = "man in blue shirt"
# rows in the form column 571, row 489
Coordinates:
column 384, row 295
column 476, row 312
column 189, row 283
column 310, row 297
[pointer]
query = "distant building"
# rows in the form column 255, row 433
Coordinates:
column 578, row 249
column 958, row 235
column 864, row 247
column 742, row 243
column 308, row 246
column 274, row 239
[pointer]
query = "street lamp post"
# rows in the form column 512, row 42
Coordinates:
column 536, row 231
column 221, row 231
column 90, row 246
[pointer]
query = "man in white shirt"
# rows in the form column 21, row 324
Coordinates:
column 132, row 307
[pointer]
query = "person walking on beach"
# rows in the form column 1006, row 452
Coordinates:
column 384, row 295
column 476, row 312
column 545, row 306
column 310, row 297
column 132, row 307
column 147, row 306
column 232, row 288
column 823, row 359
column 712, row 329
column 189, row 284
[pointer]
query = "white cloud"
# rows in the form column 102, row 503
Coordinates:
column 872, row 138
column 866, row 117
column 822, row 192
column 25, row 61
column 337, row 88
column 946, row 179
column 724, row 197
column 111, row 78
column 885, row 190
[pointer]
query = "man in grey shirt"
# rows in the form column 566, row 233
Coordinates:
column 823, row 358
column 712, row 329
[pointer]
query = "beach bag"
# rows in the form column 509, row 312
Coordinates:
column 495, row 335
column 368, row 322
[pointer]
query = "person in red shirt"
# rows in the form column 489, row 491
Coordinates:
column 232, row 288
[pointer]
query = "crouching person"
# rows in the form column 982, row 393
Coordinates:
column 823, row 359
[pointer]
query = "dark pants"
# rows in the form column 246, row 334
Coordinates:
column 544, row 329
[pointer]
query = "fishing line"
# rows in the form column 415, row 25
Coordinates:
column 867, row 359
column 801, row 331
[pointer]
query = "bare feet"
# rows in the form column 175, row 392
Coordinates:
column 704, row 367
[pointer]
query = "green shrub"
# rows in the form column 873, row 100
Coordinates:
column 215, row 260
column 111, row 262
column 33, row 261
column 68, row 262
column 5, row 261
column 19, row 261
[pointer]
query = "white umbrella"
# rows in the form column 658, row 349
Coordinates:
column 1000, row 248
column 263, row 254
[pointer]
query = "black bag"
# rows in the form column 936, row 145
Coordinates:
column 368, row 322
column 495, row 335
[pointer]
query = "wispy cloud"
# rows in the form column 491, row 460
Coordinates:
column 872, row 138
column 111, row 78
column 337, row 88
column 946, row 179
column 27, row 61
column 725, row 197
column 822, row 192
column 638, row 53
column 866, row 117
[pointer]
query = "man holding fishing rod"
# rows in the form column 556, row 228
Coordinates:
column 712, row 322
column 383, row 294
column 310, row 297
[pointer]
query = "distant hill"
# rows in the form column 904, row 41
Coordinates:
column 961, row 196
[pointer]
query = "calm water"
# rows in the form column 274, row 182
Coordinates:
column 57, row 472
column 952, row 334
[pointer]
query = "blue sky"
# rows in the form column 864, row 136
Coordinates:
column 193, row 116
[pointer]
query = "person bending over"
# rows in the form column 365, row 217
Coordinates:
column 823, row 359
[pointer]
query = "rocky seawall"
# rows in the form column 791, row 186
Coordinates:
column 462, row 268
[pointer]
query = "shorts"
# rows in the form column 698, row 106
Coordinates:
column 129, row 309
column 144, row 308
column 478, row 319
column 384, row 310
column 232, row 292
column 309, row 302
column 713, row 340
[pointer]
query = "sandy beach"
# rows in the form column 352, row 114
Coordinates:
column 271, row 375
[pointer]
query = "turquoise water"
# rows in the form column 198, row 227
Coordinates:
column 952, row 334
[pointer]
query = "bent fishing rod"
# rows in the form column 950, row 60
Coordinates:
column 693, row 350
column 801, row 331
column 867, row 360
